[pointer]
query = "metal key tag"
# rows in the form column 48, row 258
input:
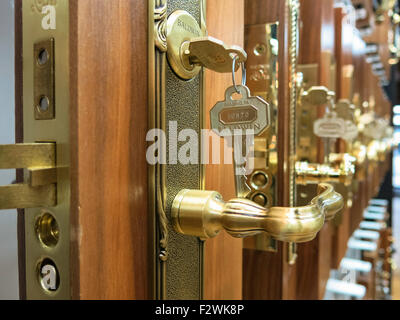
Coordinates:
column 232, row 117
column 330, row 126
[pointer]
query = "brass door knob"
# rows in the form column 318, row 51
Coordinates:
column 204, row 214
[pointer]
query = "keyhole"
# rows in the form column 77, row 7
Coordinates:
column 43, row 57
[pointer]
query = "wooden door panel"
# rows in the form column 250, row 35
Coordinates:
column 109, row 239
column 223, row 255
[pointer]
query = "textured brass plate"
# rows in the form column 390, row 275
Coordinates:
column 178, row 259
column 55, row 130
column 44, row 77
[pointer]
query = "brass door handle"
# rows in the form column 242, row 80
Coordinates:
column 204, row 214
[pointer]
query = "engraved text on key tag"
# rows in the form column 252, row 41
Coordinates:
column 231, row 117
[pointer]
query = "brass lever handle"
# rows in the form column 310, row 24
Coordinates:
column 204, row 214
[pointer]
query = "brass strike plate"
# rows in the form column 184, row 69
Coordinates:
column 44, row 76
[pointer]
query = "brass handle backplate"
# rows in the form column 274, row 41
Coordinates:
column 204, row 214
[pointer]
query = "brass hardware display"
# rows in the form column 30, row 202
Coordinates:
column 169, row 98
column 41, row 190
column 204, row 214
column 340, row 170
column 318, row 95
column 28, row 155
column 46, row 118
column 188, row 49
column 262, row 46
column 47, row 230
column 44, row 80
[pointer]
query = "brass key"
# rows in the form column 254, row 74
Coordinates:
column 212, row 54
column 188, row 49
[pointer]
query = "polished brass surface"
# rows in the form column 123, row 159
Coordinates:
column 204, row 214
column 294, row 87
column 178, row 260
column 24, row 196
column 55, row 130
column 47, row 230
column 306, row 112
column 44, row 80
column 318, row 95
column 181, row 28
column 19, row 156
column 188, row 49
column 262, row 46
column 42, row 176
column 212, row 54
column 41, row 190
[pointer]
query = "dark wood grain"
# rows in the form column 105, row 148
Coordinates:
column 109, row 97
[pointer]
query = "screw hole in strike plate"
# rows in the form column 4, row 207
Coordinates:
column 259, row 180
column 43, row 57
column 260, row 49
column 44, row 104
column 47, row 230
column 48, row 275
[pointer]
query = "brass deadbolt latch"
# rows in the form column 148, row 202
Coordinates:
column 40, row 191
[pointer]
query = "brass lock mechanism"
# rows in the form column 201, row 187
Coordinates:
column 40, row 191
column 188, row 50
column 204, row 214
column 337, row 168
